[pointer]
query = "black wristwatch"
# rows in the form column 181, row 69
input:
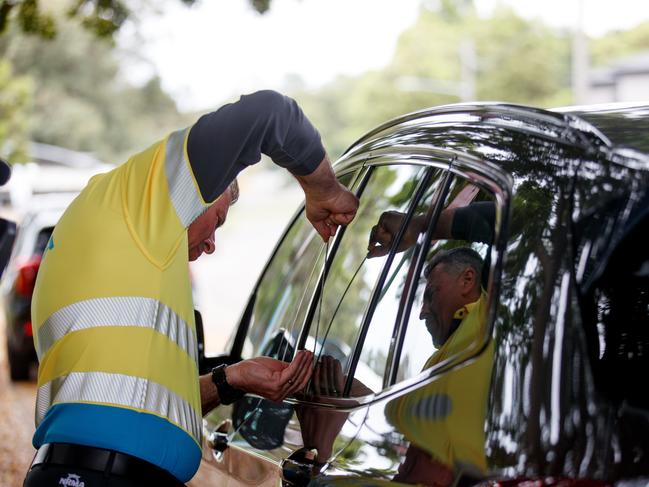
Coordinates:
column 227, row 393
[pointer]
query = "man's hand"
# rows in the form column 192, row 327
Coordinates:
column 326, row 215
column 385, row 231
column 270, row 378
column 328, row 203
column 329, row 380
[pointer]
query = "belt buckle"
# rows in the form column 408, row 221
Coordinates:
column 41, row 454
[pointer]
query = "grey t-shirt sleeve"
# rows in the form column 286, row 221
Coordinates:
column 475, row 222
column 223, row 143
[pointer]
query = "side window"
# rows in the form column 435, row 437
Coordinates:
column 336, row 325
column 283, row 295
column 379, row 340
column 447, row 319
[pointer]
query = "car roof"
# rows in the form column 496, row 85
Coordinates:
column 624, row 124
column 618, row 129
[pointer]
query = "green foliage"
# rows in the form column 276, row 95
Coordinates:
column 260, row 6
column 517, row 60
column 15, row 97
column 29, row 17
column 102, row 18
column 79, row 101
column 619, row 44
column 521, row 61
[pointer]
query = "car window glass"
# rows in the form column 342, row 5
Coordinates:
column 448, row 315
column 379, row 339
column 352, row 276
column 284, row 292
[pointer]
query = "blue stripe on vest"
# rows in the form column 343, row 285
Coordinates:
column 142, row 435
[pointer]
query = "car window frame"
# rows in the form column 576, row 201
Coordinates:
column 487, row 177
column 427, row 160
column 491, row 179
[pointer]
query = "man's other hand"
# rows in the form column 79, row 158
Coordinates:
column 327, row 214
column 270, row 378
column 328, row 203
column 386, row 229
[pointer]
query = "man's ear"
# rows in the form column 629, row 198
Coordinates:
column 468, row 280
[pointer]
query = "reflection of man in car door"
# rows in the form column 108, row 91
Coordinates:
column 444, row 420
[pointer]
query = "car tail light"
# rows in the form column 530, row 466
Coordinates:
column 26, row 277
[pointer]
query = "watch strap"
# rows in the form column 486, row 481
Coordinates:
column 227, row 393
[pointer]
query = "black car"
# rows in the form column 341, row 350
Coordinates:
column 544, row 378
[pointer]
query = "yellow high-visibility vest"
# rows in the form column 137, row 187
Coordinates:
column 113, row 315
column 446, row 418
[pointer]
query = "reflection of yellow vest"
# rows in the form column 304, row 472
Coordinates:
column 446, row 418
column 112, row 310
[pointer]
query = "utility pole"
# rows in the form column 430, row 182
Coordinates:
column 579, row 59
column 467, row 69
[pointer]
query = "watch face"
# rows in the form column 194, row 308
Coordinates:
column 218, row 375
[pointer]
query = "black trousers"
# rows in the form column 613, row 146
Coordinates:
column 81, row 468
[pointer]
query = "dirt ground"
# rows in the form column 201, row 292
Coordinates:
column 16, row 422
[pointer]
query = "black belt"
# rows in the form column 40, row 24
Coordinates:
column 100, row 460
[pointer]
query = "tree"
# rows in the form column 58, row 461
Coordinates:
column 79, row 101
column 15, row 98
column 618, row 44
column 518, row 61
column 101, row 17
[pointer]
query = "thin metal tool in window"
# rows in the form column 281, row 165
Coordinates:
column 283, row 355
column 294, row 323
column 320, row 300
column 317, row 355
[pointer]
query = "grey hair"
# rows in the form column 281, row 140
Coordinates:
column 456, row 260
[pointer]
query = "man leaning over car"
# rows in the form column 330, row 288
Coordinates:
column 119, row 399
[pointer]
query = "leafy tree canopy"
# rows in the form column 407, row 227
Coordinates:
column 101, row 17
column 79, row 100
column 15, row 98
column 504, row 57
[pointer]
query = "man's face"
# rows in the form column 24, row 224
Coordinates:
column 200, row 234
column 441, row 297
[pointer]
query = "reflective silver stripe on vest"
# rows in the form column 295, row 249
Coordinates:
column 182, row 190
column 121, row 390
column 117, row 311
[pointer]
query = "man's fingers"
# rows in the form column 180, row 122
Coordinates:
column 317, row 383
column 322, row 229
column 305, row 369
column 303, row 378
column 338, row 375
column 378, row 252
column 331, row 378
column 299, row 373
column 372, row 240
column 342, row 218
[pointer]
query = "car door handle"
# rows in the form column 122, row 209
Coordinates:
column 219, row 438
column 299, row 468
